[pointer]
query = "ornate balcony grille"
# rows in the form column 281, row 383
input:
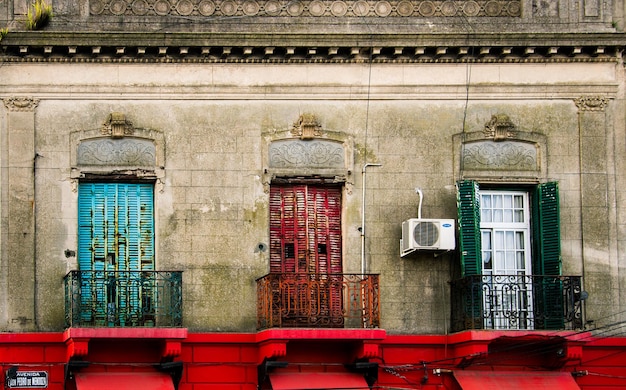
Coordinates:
column 517, row 302
column 123, row 299
column 318, row 301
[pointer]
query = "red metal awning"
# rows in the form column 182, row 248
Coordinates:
column 318, row 380
column 123, row 381
column 534, row 380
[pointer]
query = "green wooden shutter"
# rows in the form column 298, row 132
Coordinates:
column 468, row 205
column 469, row 288
column 546, row 230
column 549, row 306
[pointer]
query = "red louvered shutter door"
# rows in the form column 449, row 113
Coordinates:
column 324, row 228
column 305, row 239
column 283, row 226
column 305, row 224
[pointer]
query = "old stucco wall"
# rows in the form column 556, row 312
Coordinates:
column 212, row 205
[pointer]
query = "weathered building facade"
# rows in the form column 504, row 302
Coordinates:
column 313, row 194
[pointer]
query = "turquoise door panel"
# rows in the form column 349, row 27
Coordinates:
column 115, row 243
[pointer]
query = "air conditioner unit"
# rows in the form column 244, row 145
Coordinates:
column 427, row 234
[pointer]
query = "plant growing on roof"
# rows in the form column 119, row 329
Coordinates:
column 38, row 15
column 3, row 33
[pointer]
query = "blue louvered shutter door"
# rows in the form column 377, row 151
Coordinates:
column 116, row 227
column 136, row 245
column 94, row 238
column 139, row 227
column 146, row 227
column 111, row 224
column 86, row 228
column 89, row 247
column 133, row 231
column 549, row 305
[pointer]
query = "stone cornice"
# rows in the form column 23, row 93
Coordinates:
column 246, row 38
column 310, row 48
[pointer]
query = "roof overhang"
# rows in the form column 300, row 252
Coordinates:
column 272, row 47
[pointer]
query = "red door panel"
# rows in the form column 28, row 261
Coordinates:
column 305, row 248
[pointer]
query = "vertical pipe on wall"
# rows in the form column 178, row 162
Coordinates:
column 418, row 191
column 363, row 173
column 34, row 230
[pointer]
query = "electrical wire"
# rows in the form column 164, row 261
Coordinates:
column 541, row 343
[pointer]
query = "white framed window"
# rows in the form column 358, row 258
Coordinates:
column 506, row 259
column 505, row 233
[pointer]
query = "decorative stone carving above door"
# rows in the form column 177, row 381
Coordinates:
column 118, row 148
column 309, row 152
column 500, row 152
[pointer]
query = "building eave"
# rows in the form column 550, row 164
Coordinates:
column 44, row 46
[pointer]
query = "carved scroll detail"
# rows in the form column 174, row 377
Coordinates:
column 21, row 104
column 591, row 103
column 508, row 155
column 306, row 127
column 499, row 128
column 125, row 152
column 117, row 126
column 306, row 154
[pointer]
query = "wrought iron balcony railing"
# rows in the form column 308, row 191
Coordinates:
column 318, row 300
column 123, row 299
column 517, row 302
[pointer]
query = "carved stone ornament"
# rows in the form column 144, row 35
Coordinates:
column 500, row 156
column 116, row 152
column 307, row 127
column 306, row 154
column 591, row 103
column 117, row 126
column 499, row 128
column 20, row 103
column 310, row 8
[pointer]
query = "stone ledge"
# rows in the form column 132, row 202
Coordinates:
column 307, row 54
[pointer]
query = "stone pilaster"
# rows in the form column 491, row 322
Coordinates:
column 597, row 196
column 18, row 213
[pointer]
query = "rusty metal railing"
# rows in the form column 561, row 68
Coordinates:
column 123, row 299
column 318, row 300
